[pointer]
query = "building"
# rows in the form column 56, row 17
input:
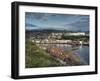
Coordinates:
column 75, row 33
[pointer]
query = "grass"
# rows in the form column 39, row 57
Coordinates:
column 37, row 57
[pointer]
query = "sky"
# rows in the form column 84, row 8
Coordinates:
column 70, row 22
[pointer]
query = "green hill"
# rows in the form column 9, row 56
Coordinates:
column 37, row 57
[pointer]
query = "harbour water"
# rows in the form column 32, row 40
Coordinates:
column 82, row 51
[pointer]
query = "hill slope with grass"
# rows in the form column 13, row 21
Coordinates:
column 37, row 57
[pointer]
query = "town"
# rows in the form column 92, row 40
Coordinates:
column 74, row 38
column 54, row 44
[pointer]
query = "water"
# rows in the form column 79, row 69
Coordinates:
column 82, row 51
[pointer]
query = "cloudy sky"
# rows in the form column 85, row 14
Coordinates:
column 56, row 21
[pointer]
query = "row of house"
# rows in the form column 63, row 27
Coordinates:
column 76, row 34
column 46, row 41
column 59, row 35
column 56, row 35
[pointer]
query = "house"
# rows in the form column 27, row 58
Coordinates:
column 75, row 33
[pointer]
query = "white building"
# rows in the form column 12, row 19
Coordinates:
column 76, row 33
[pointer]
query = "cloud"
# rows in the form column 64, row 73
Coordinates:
column 42, row 16
column 30, row 25
column 81, row 23
column 56, row 21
